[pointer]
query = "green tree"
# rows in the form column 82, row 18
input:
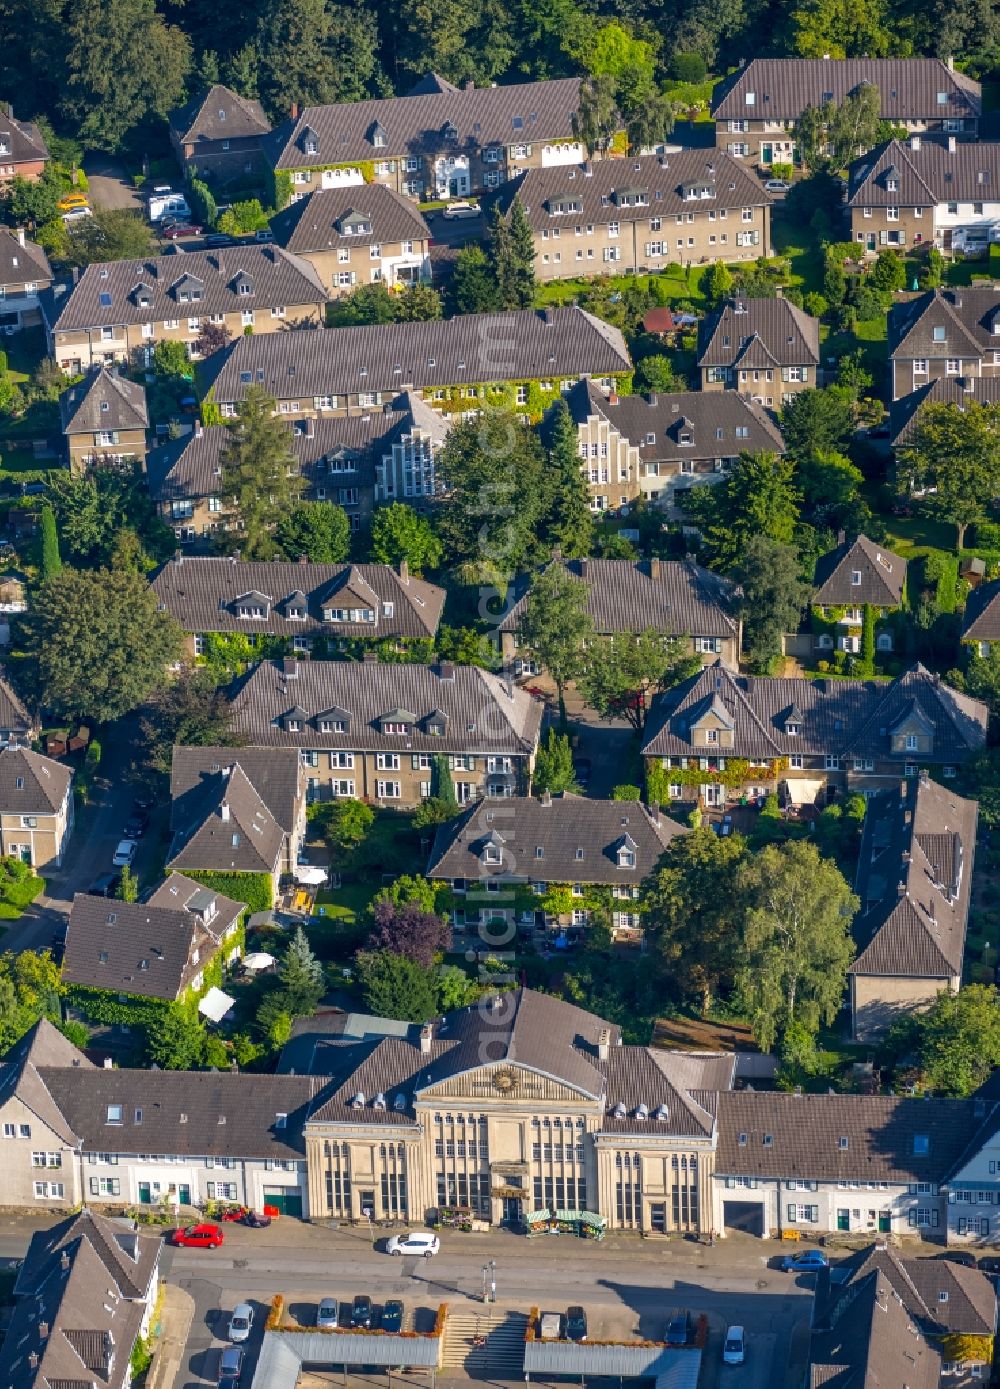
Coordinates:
column 260, row 475
column 796, row 939
column 92, row 512
column 318, row 530
column 841, row 29
column 773, row 595
column 315, row 52
column 32, row 202
column 367, row 304
column 569, row 526
column 959, row 1039
column 409, row 888
column 301, row 975
column 717, row 283
column 597, row 118
column 400, row 533
column 50, row 560
column 343, row 823
column 97, row 643
column 273, row 1020
column 556, row 624
column 418, row 303
column 243, row 218
column 982, row 678
column 122, row 64
column 956, row 452
column 455, row 988
column 189, row 710
column 128, row 887
column 554, row 770
column 442, row 786
column 517, row 288
column 30, row 988
column 690, row 907
column 395, row 987
column 756, row 498
column 473, row 286
column 467, row 647
column 171, row 360
column 110, row 234
column 656, row 373
column 829, row 483
column 815, row 421
column 177, row 1042
column 623, row 672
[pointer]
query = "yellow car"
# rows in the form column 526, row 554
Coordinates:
column 69, row 201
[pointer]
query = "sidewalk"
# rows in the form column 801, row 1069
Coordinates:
column 176, row 1316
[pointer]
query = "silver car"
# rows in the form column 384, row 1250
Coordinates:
column 241, row 1323
column 326, row 1314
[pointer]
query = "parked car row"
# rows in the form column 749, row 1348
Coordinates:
column 360, row 1315
column 571, row 1327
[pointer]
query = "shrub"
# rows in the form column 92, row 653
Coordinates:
column 688, row 67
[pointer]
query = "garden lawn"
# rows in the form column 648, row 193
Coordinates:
column 674, row 284
column 870, row 335
column 24, row 351
column 339, row 923
column 791, row 240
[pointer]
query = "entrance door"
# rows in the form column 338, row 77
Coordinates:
column 885, row 1222
column 184, row 1194
column 658, row 1218
column 512, row 1210
column 766, row 154
column 145, row 1196
column 870, row 242
column 843, row 1219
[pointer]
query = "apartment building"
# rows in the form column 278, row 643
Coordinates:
column 439, row 141
column 23, row 151
column 766, row 349
column 755, row 109
column 218, row 137
column 944, row 333
column 117, row 311
column 458, row 365
column 655, row 447
column 357, row 234
column 103, row 417
column 24, row 273
column 926, row 191
column 372, row 730
column 36, row 807
column 620, row 215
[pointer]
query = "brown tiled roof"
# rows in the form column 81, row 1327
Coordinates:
column 203, row 595
column 883, row 575
column 784, row 87
column 218, row 114
column 228, row 830
column 421, row 124
column 673, row 596
column 959, row 722
column 20, row 263
column 966, row 315
column 802, row 1136
column 982, row 613
column 567, row 839
column 103, row 400
column 969, row 1306
column 649, row 1092
column 758, row 333
column 185, row 283
column 276, row 774
column 914, row 881
column 14, row 717
column 31, row 784
column 23, row 140
column 128, row 1256
column 147, row 948
column 605, row 191
column 719, row 424
column 315, row 223
column 524, row 345
column 20, row 1075
column 871, row 1343
column 482, row 713
column 926, row 175
column 942, row 390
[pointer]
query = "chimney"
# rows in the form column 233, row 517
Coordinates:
column 108, row 1063
column 178, row 557
column 901, row 889
column 224, row 812
column 310, row 428
column 841, row 537
column 76, row 275
column 583, row 568
column 294, row 113
column 951, row 63
column 446, row 670
column 914, row 142
column 604, row 1044
column 469, row 85
column 613, row 398
column 197, row 429
column 951, row 144
column 404, row 571
column 20, row 236
column 651, row 398
column 43, row 1331
column 64, row 1261
column 654, row 568
column 290, row 668
column 426, row 1032
column 654, row 812
column 546, row 798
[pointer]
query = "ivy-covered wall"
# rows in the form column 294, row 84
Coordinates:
column 737, row 772
column 252, row 888
column 504, row 395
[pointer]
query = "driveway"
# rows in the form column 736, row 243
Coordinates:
column 110, row 186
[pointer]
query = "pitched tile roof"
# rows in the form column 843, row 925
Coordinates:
column 713, row 424
column 376, row 214
column 20, row 1074
column 14, row 717
column 218, row 114
column 832, row 1138
column 203, row 595
column 946, row 390
column 190, row 466
column 969, row 318
column 924, row 175
column 21, row 261
column 21, row 142
column 128, row 1256
column 228, row 829
column 758, row 333
column 969, row 1305
column 538, row 344
column 982, row 613
column 103, row 400
column 871, row 1343
column 482, row 713
column 432, row 120
column 914, row 881
column 183, row 283
column 276, row 774
column 31, row 784
column 784, row 87
column 882, row 575
column 958, row 721
column 673, row 596
column 154, row 948
column 606, row 190
column 564, row 839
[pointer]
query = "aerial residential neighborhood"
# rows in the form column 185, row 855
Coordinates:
column 499, row 695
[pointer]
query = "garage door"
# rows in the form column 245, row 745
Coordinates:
column 287, row 1199
column 747, row 1216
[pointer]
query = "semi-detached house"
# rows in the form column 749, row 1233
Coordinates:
column 944, row 333
column 24, row 273
column 23, row 151
column 767, row 349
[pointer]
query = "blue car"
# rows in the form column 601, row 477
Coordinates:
column 809, row 1261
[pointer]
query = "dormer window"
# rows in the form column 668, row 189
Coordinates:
column 394, row 727
column 626, row 858
column 793, row 729
column 892, row 184
column 492, row 854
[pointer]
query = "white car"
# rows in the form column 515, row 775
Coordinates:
column 125, row 853
column 734, row 1348
column 777, row 185
column 462, row 210
column 75, row 214
column 241, row 1322
column 414, row 1243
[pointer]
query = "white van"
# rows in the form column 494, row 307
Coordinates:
column 734, row 1349
column 167, row 203
column 551, row 1326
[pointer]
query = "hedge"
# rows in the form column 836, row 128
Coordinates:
column 110, row 1006
column 252, row 888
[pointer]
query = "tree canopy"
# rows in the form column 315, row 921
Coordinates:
column 260, row 473
column 953, row 461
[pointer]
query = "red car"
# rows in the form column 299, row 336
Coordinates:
column 198, row 1237
column 180, row 229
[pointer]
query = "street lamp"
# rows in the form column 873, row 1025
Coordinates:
column 490, row 1281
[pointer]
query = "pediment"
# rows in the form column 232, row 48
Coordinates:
column 504, row 1081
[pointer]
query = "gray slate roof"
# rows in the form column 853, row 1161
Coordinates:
column 562, row 828
column 24, row 141
column 18, row 262
column 671, row 596
column 604, row 191
column 147, row 948
column 784, row 87
column 103, row 400
column 925, row 175
column 942, row 390
column 203, row 594
column 768, row 333
column 276, row 774
column 315, row 223
column 871, row 1343
column 720, row 424
column 183, row 284
column 218, row 114
column 982, row 613
column 228, row 829
column 527, row 112
column 21, row 1075
column 806, row 1134
column 914, row 880
column 483, row 713
column 970, row 1303
column 883, row 576
column 524, row 345
column 31, row 784
column 14, row 717
column 967, row 316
